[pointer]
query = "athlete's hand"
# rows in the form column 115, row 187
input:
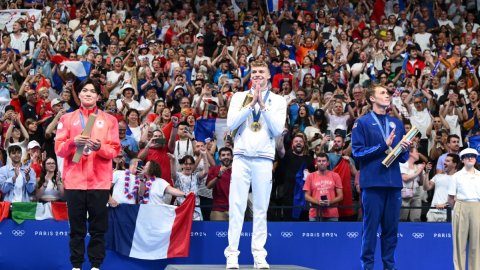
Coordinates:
column 390, row 138
column 406, row 144
column 80, row 140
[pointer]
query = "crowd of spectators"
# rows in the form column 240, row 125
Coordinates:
column 165, row 66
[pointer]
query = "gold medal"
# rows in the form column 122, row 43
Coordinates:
column 255, row 126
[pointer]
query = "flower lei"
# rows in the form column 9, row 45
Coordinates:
column 128, row 194
column 146, row 196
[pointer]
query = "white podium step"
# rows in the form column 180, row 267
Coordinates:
column 222, row 267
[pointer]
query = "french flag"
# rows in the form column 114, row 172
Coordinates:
column 81, row 69
column 208, row 128
column 274, row 5
column 151, row 232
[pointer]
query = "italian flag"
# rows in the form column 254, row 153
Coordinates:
column 22, row 211
column 4, row 210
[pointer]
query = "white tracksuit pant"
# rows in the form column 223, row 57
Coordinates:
column 246, row 171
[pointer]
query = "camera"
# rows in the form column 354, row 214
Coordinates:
column 159, row 141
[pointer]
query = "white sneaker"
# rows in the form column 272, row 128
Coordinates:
column 232, row 262
column 76, row 268
column 260, row 263
column 95, row 268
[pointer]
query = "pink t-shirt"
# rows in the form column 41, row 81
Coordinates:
column 319, row 185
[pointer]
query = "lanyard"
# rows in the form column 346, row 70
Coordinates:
column 256, row 115
column 82, row 120
column 386, row 132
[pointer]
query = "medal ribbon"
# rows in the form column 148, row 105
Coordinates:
column 82, row 120
column 385, row 132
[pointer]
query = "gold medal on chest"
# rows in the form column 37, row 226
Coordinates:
column 255, row 126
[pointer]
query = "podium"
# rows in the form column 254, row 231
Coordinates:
column 222, row 267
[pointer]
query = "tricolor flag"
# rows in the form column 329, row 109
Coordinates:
column 474, row 142
column 80, row 69
column 207, row 128
column 274, row 5
column 22, row 211
column 4, row 210
column 151, row 232
column 343, row 170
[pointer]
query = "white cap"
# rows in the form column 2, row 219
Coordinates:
column 178, row 87
column 33, row 144
column 467, row 151
column 199, row 35
column 55, row 101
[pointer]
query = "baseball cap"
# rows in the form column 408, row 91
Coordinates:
column 466, row 151
column 9, row 108
column 33, row 144
column 56, row 101
column 318, row 114
column 178, row 87
column 199, row 35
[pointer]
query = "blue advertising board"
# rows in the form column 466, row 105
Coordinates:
column 335, row 245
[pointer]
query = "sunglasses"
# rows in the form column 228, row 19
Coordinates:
column 469, row 156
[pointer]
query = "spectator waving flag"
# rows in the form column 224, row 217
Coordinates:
column 80, row 69
column 274, row 5
column 207, row 128
column 151, row 232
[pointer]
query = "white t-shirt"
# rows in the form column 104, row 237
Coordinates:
column 112, row 77
column 157, row 191
column 132, row 105
column 118, row 182
column 439, row 92
column 423, row 40
column 199, row 60
column 421, row 120
column 446, row 22
column 19, row 43
column 441, row 188
column 182, row 148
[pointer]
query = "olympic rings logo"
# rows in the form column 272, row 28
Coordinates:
column 352, row 234
column 18, row 233
column 221, row 234
column 418, row 235
column 286, row 234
